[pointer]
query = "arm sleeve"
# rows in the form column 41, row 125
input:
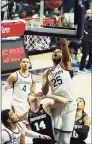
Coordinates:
column 30, row 133
column 4, row 137
column 5, row 88
column 83, row 132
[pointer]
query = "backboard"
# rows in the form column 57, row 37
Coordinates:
column 75, row 22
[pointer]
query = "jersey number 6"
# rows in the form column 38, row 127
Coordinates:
column 57, row 81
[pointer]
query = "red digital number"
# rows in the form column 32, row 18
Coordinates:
column 12, row 55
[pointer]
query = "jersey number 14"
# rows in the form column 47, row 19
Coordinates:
column 40, row 125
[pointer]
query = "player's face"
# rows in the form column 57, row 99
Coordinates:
column 57, row 54
column 13, row 117
column 25, row 64
column 80, row 104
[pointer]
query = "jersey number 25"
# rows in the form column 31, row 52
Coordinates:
column 57, row 81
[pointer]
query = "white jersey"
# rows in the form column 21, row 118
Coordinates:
column 61, row 83
column 11, row 137
column 21, row 88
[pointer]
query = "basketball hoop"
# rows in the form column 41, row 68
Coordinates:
column 38, row 31
column 34, row 42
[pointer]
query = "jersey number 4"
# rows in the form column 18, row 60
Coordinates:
column 40, row 126
column 57, row 81
column 24, row 88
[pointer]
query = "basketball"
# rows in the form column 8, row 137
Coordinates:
column 53, row 3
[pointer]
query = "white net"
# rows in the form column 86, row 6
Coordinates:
column 34, row 42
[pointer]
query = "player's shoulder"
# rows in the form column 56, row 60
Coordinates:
column 14, row 74
column 84, row 113
column 4, row 131
column 6, row 134
column 33, row 76
column 85, row 116
column 45, row 71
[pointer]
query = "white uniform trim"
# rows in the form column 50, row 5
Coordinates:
column 21, row 89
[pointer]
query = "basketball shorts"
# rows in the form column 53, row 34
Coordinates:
column 64, row 117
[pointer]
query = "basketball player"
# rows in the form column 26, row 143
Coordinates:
column 59, row 79
column 13, row 131
column 39, row 116
column 23, row 83
column 82, row 124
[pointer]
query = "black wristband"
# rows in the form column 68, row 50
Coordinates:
column 39, row 136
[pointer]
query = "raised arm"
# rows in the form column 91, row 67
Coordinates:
column 23, row 116
column 53, row 101
column 65, row 50
column 59, row 99
column 45, row 83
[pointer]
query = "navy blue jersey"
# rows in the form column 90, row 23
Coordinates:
column 79, row 124
column 41, row 122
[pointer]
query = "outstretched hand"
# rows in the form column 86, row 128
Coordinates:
column 45, row 137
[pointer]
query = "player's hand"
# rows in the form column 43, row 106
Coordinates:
column 45, row 137
column 49, row 75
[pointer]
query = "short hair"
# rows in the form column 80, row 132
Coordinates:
column 25, row 58
column 5, row 116
column 82, row 100
column 89, row 11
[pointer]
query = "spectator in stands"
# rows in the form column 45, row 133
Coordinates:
column 23, row 13
column 37, row 13
column 82, row 124
column 87, row 43
column 4, row 14
column 74, row 45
